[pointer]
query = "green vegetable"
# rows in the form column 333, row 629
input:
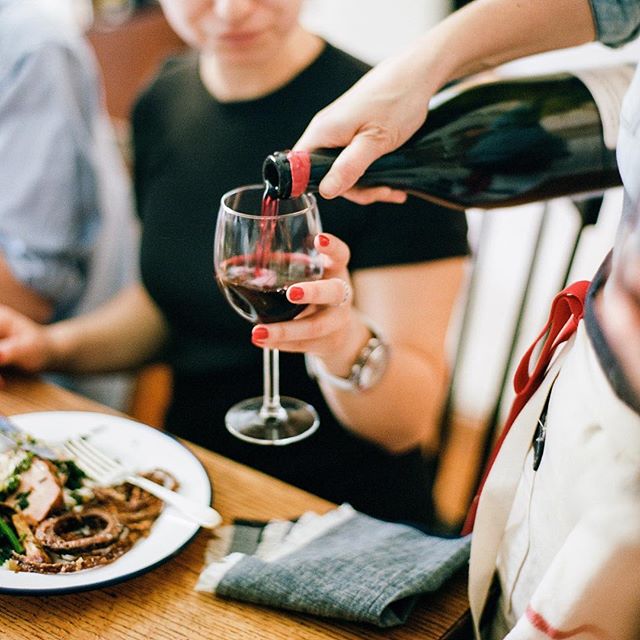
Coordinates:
column 23, row 500
column 75, row 475
column 12, row 483
column 7, row 532
column 25, row 463
column 5, row 554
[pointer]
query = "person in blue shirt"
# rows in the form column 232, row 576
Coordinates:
column 68, row 236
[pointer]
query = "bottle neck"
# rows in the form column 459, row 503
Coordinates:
column 286, row 173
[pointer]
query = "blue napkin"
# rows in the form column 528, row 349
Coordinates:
column 342, row 564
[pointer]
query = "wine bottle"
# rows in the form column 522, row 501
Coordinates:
column 492, row 144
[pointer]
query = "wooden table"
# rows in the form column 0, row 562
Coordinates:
column 162, row 603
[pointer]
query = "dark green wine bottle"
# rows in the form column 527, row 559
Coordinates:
column 492, row 144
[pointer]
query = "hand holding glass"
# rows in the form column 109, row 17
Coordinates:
column 257, row 257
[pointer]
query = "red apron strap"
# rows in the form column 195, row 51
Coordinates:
column 566, row 312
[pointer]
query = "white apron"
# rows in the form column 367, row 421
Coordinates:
column 564, row 540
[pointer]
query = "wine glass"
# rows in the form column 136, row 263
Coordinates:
column 261, row 247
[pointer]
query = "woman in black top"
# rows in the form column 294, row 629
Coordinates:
column 202, row 128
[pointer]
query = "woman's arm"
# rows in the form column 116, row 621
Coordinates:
column 21, row 297
column 385, row 107
column 122, row 334
column 411, row 305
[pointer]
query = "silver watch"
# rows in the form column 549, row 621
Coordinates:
column 370, row 364
column 366, row 371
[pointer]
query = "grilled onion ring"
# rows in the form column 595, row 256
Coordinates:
column 63, row 534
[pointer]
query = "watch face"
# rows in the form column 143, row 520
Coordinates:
column 374, row 366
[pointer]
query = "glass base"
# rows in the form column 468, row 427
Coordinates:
column 247, row 421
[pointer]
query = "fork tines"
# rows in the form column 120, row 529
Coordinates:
column 97, row 464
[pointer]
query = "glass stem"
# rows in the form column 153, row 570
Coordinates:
column 271, row 407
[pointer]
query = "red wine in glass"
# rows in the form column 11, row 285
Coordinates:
column 257, row 289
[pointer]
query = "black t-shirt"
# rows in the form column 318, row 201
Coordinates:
column 189, row 150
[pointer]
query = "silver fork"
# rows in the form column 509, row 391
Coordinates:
column 107, row 471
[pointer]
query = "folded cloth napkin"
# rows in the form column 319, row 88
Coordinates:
column 342, row 564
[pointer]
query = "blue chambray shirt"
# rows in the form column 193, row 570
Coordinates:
column 618, row 22
column 67, row 223
column 48, row 195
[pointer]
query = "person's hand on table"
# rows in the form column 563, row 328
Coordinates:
column 329, row 328
column 23, row 343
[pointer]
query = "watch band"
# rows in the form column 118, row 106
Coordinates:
column 362, row 375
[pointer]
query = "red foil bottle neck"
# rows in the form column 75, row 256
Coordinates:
column 300, row 164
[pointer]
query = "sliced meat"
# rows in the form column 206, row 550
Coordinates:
column 43, row 489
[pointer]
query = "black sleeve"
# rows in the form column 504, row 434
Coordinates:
column 148, row 148
column 386, row 234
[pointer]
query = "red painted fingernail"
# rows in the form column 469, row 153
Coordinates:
column 260, row 333
column 296, row 293
column 323, row 240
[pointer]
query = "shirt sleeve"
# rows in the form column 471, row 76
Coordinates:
column 592, row 587
column 384, row 234
column 48, row 214
column 617, row 21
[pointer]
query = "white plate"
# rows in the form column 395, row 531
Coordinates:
column 141, row 447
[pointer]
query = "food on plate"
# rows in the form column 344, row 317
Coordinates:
column 55, row 519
